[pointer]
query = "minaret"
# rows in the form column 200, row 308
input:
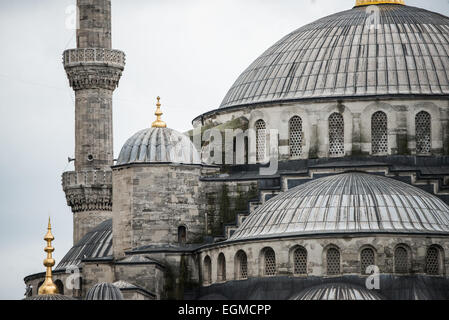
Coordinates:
column 94, row 71
column 48, row 287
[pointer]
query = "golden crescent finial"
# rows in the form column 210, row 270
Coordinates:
column 48, row 287
column 159, row 123
column 360, row 3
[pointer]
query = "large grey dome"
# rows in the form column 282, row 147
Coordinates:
column 348, row 203
column 337, row 291
column 159, row 145
column 340, row 56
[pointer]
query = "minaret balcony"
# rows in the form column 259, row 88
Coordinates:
column 75, row 57
column 94, row 68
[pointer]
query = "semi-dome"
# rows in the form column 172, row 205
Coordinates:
column 104, row 291
column 348, row 203
column 344, row 55
column 159, row 145
column 337, row 291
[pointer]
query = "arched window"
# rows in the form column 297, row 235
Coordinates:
column 333, row 261
column 182, row 235
column 221, row 265
column 367, row 258
column 401, row 263
column 336, row 135
column 60, row 286
column 423, row 135
column 433, row 261
column 261, row 140
column 379, row 133
column 300, row 261
column 295, row 136
column 269, row 262
column 207, row 270
column 241, row 265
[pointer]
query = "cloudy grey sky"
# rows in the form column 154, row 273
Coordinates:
column 187, row 51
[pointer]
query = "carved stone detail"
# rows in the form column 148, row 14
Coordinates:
column 88, row 190
column 94, row 68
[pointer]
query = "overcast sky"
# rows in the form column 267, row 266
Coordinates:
column 187, row 51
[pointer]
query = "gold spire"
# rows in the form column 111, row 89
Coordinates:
column 159, row 123
column 48, row 287
column 372, row 2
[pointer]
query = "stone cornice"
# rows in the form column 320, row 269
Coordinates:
column 88, row 190
column 93, row 68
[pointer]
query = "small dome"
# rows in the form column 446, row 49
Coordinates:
column 159, row 145
column 348, row 203
column 50, row 297
column 337, row 291
column 104, row 291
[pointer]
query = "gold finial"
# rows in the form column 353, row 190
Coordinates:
column 159, row 123
column 360, row 3
column 48, row 287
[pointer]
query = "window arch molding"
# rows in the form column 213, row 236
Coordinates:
column 296, row 140
column 261, row 136
column 379, row 133
column 268, row 262
column 182, row 234
column 332, row 260
column 241, row 265
column 298, row 260
column 221, row 267
column 434, row 260
column 207, row 270
column 367, row 260
column 402, row 259
column 422, row 121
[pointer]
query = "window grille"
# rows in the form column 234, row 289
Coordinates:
column 270, row 262
column 242, row 265
column 336, row 135
column 333, row 261
column 379, row 133
column 366, row 260
column 295, row 137
column 401, row 260
column 423, row 133
column 433, row 261
column 300, row 259
column 261, row 140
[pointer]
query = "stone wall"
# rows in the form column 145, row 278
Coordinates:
column 224, row 200
column 349, row 247
column 357, row 124
column 150, row 203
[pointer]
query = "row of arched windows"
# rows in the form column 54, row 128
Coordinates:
column 402, row 262
column 379, row 135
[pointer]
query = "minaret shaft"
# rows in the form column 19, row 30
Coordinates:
column 94, row 71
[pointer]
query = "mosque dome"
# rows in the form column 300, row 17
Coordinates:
column 337, row 291
column 49, row 297
column 104, row 291
column 388, row 50
column 159, row 144
column 347, row 203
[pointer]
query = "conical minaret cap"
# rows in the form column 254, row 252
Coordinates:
column 48, row 287
column 159, row 123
